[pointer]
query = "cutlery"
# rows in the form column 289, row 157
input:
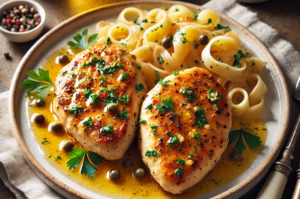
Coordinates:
column 275, row 184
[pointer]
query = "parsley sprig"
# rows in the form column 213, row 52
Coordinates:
column 40, row 84
column 252, row 141
column 87, row 167
column 82, row 41
column 237, row 56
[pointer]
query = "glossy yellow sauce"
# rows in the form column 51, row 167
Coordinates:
column 128, row 186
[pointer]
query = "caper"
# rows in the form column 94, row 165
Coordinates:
column 203, row 39
column 139, row 173
column 114, row 175
column 235, row 156
column 66, row 146
column 39, row 102
column 62, row 59
column 38, row 118
column 112, row 108
column 55, row 126
column 167, row 42
column 128, row 163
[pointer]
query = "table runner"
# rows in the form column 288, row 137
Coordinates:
column 23, row 182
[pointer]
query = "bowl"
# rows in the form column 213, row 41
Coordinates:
column 21, row 37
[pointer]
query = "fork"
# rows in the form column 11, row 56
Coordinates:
column 275, row 184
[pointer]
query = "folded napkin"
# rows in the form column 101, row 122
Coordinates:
column 21, row 180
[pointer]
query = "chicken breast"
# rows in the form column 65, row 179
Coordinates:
column 98, row 98
column 185, row 125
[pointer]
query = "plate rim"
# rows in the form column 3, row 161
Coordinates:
column 66, row 190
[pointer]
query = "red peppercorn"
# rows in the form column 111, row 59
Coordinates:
column 17, row 22
column 8, row 20
column 21, row 30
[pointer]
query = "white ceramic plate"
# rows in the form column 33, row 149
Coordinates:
column 276, row 114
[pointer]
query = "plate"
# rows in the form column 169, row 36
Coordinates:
column 276, row 113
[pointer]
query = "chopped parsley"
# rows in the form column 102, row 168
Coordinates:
column 154, row 129
column 139, row 67
column 137, row 22
column 124, row 114
column 143, row 122
column 141, row 28
column 124, row 99
column 162, row 83
column 45, row 141
column 124, row 44
column 111, row 70
column 220, row 60
column 108, row 41
column 237, row 56
column 195, row 149
column 63, row 73
column 107, row 89
column 179, row 172
column 94, row 61
column 214, row 96
column 182, row 162
column 176, row 72
column 191, row 156
column 176, row 9
column 160, row 60
column 76, row 110
column 197, row 136
column 94, row 98
column 195, row 15
column 165, row 105
column 219, row 26
column 57, row 158
column 75, row 158
column 183, row 40
column 103, row 79
column 87, row 92
column 139, row 87
column 151, row 153
column 173, row 140
column 145, row 21
column 124, row 76
column 252, row 141
column 189, row 93
column 156, row 73
column 148, row 107
column 209, row 21
column 200, row 121
column 195, row 46
column 88, row 122
column 111, row 98
column 107, row 129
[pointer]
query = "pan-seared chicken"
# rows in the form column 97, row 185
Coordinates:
column 98, row 97
column 186, row 121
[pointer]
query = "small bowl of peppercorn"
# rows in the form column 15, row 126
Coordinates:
column 21, row 21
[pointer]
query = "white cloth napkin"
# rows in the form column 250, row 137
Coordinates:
column 19, row 177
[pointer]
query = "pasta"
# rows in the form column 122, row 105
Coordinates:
column 146, row 35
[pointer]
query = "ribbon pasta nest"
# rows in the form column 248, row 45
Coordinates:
column 167, row 40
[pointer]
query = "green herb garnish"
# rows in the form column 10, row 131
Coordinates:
column 108, row 41
column 124, row 76
column 107, row 89
column 209, row 21
column 57, row 158
column 182, row 162
column 197, row 136
column 214, row 96
column 94, row 98
column 165, row 105
column 94, row 61
column 195, row 15
column 76, row 156
column 176, row 72
column 124, row 99
column 111, row 70
column 160, row 60
column 252, row 141
column 139, row 87
column 76, row 110
column 81, row 40
column 189, row 93
column 179, row 172
column 40, row 84
column 87, row 92
column 148, row 107
column 200, row 121
column 237, row 56
column 195, row 46
column 103, row 79
column 123, row 115
column 111, row 98
column 139, row 67
column 173, row 140
column 88, row 122
column 219, row 26
column 143, row 122
column 191, row 156
column 107, row 129
column 123, row 44
column 151, row 153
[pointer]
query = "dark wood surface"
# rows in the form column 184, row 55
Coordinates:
column 282, row 15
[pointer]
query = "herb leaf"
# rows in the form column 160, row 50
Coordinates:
column 237, row 56
column 124, row 99
column 165, row 105
column 123, row 115
column 189, row 93
column 160, row 60
column 252, row 141
column 87, row 92
column 219, row 26
column 151, row 153
column 213, row 97
column 148, row 107
column 200, row 121
column 173, row 140
column 87, row 168
column 39, row 83
column 176, row 72
column 76, row 110
column 81, row 40
column 88, row 122
column 182, row 162
column 139, row 87
column 143, row 122
column 179, row 172
column 107, row 129
column 94, row 157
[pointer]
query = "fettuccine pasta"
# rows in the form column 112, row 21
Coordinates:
column 167, row 40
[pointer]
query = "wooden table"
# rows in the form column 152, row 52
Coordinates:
column 282, row 15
